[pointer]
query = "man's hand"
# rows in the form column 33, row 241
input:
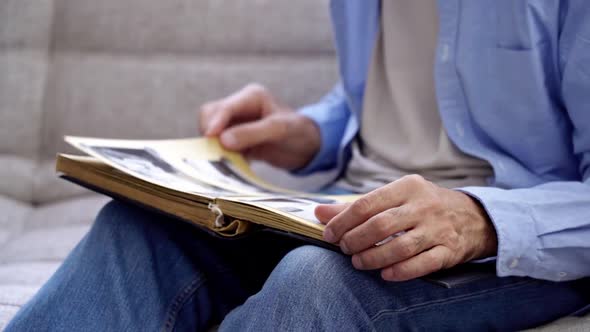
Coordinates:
column 424, row 228
column 252, row 122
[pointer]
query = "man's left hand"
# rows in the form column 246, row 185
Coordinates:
column 410, row 228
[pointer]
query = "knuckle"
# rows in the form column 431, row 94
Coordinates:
column 448, row 235
column 414, row 180
column 405, row 211
column 399, row 272
column 442, row 261
column 434, row 263
column 206, row 107
column 204, row 112
column 257, row 89
column 435, row 203
column 437, row 264
column 280, row 123
column 428, row 206
column 391, row 214
column 361, row 206
column 418, row 240
column 382, row 226
column 367, row 260
column 419, row 208
column 345, row 241
column 415, row 210
column 406, row 247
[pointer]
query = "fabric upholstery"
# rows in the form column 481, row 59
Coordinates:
column 48, row 188
column 78, row 211
column 25, row 24
column 16, row 177
column 42, row 245
column 89, row 91
column 13, row 216
column 26, row 274
column 21, row 96
column 188, row 27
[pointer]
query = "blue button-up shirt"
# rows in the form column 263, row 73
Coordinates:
column 513, row 88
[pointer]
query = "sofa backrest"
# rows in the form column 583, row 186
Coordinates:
column 25, row 34
column 140, row 69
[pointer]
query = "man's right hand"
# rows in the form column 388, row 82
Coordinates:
column 252, row 122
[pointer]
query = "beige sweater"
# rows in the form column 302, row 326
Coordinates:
column 401, row 131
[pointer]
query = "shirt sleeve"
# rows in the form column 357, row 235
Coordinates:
column 331, row 115
column 544, row 231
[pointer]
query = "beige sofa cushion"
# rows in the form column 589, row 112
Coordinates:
column 25, row 24
column 22, row 82
column 158, row 96
column 25, row 27
column 17, row 175
column 187, row 28
column 12, row 217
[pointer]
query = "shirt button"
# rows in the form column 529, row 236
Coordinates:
column 444, row 53
column 562, row 274
column 513, row 263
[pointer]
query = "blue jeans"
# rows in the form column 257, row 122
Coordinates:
column 140, row 271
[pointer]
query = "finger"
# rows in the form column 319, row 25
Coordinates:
column 428, row 262
column 248, row 102
column 379, row 200
column 205, row 113
column 398, row 249
column 325, row 212
column 376, row 229
column 251, row 134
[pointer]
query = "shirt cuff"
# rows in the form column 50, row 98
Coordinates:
column 515, row 227
column 330, row 132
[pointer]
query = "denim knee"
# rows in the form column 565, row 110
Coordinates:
column 298, row 294
column 120, row 220
column 309, row 274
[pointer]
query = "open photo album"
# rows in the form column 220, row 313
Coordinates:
column 194, row 180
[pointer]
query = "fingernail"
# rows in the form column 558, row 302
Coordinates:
column 211, row 128
column 356, row 261
column 209, row 132
column 329, row 235
column 228, row 140
column 344, row 248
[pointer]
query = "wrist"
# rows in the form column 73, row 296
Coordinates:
column 488, row 244
column 310, row 132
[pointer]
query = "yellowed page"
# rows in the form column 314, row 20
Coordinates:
column 201, row 166
column 297, row 208
column 196, row 165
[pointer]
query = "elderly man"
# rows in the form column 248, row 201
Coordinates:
column 489, row 98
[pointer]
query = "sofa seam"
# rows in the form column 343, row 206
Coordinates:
column 11, row 305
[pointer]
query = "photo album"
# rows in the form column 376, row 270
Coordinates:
column 195, row 180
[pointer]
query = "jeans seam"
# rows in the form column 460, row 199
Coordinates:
column 381, row 313
column 179, row 300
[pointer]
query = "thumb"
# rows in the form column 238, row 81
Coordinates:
column 248, row 135
column 325, row 212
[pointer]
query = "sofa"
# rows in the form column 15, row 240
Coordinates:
column 131, row 69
